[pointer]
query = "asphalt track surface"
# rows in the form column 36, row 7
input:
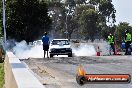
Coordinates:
column 60, row 72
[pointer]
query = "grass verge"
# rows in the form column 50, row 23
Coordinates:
column 1, row 75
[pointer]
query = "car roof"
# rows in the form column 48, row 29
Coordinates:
column 59, row 39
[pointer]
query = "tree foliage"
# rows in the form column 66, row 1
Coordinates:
column 88, row 19
column 26, row 19
column 106, row 16
column 106, row 9
column 85, row 16
column 63, row 18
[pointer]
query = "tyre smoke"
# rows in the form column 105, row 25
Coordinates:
column 23, row 51
column 84, row 50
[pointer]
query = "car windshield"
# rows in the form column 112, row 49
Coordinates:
column 58, row 42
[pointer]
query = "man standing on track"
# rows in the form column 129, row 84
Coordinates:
column 45, row 40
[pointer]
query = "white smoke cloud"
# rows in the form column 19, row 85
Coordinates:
column 84, row 50
column 91, row 48
column 104, row 48
column 24, row 51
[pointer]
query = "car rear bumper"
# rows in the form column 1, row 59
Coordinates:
column 60, row 53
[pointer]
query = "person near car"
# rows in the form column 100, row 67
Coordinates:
column 111, row 42
column 127, row 41
column 45, row 40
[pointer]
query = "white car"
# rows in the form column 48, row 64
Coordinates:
column 60, row 47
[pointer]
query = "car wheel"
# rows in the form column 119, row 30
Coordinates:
column 51, row 55
column 70, row 55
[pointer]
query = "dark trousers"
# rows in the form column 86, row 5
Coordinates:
column 45, row 48
column 113, row 47
column 127, row 46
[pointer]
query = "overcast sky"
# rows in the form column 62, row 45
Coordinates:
column 123, row 10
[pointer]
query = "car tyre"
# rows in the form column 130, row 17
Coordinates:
column 51, row 55
column 70, row 55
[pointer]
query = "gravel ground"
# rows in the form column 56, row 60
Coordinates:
column 60, row 72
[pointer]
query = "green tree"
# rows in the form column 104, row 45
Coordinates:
column 80, row 12
column 70, row 2
column 106, row 9
column 80, row 1
column 63, row 18
column 26, row 19
column 106, row 15
column 57, row 13
column 88, row 19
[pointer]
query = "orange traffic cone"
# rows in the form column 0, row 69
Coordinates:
column 98, row 51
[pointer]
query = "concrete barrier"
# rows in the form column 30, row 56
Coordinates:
column 17, row 75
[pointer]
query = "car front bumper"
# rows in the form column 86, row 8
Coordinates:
column 60, row 52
